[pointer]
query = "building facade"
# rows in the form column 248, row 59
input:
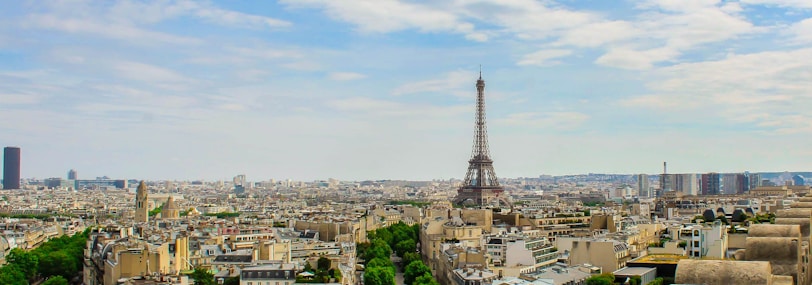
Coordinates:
column 643, row 188
column 11, row 168
column 711, row 184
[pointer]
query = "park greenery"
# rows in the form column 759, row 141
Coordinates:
column 402, row 240
column 156, row 211
column 56, row 261
column 223, row 215
column 602, row 279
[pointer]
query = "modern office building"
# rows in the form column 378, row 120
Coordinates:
column 711, row 184
column 798, row 180
column 11, row 168
column 72, row 175
column 100, row 183
column 686, row 183
column 735, row 183
column 755, row 180
column 643, row 188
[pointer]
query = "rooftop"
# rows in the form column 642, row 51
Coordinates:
column 660, row 258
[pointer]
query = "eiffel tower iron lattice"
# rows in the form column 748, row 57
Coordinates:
column 481, row 185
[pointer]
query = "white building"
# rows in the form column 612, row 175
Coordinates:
column 705, row 240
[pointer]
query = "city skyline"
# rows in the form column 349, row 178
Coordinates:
column 314, row 89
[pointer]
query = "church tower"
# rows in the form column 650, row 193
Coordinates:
column 141, row 204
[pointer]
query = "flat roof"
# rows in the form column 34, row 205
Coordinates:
column 660, row 258
column 634, row 271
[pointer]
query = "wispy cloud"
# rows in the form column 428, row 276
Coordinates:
column 544, row 57
column 345, row 76
column 451, row 83
column 547, row 120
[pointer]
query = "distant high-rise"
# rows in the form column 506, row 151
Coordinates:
column 72, row 175
column 643, row 186
column 755, row 180
column 11, row 168
column 798, row 180
column 710, row 184
column 734, row 183
column 142, row 203
column 666, row 181
column 686, row 183
column 480, row 187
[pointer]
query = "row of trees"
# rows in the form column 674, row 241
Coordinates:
column 57, row 261
column 379, row 268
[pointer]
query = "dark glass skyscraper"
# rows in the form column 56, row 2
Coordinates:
column 11, row 168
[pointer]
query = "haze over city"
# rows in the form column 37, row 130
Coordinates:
column 310, row 89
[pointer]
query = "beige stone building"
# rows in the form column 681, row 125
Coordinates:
column 609, row 255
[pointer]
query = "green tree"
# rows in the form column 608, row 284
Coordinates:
column 656, row 281
column 232, row 281
column 56, row 280
column 404, row 246
column 323, row 263
column 202, row 277
column 379, row 262
column 603, row 279
column 12, row 275
column 57, row 263
column 414, row 270
column 379, row 249
column 27, row 262
column 409, row 257
column 379, row 276
column 385, row 235
column 308, row 267
column 426, row 279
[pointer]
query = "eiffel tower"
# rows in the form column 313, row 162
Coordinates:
column 481, row 186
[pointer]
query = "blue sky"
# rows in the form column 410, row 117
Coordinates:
column 384, row 89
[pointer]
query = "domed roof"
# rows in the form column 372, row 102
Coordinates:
column 170, row 204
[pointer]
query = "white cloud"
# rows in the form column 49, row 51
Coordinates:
column 450, row 83
column 781, row 3
column 599, row 34
column 738, row 88
column 802, row 31
column 345, row 76
column 383, row 16
column 378, row 109
column 126, row 20
column 544, row 57
column 547, row 120
column 627, row 58
column 147, row 73
column 19, row 99
column 109, row 30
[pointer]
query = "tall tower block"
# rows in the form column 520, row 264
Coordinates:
column 141, row 203
column 11, row 168
column 481, row 186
